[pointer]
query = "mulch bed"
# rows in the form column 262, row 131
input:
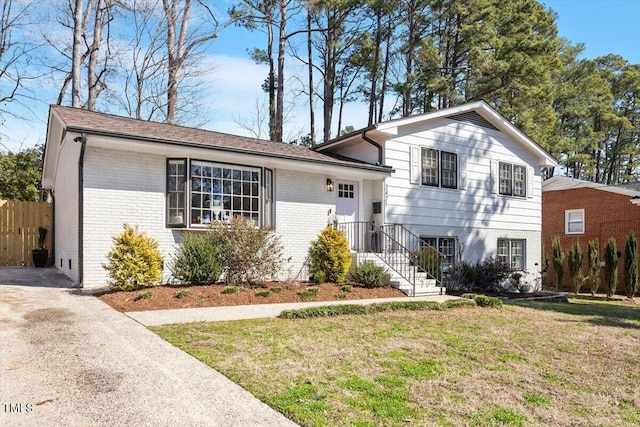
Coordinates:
column 166, row 297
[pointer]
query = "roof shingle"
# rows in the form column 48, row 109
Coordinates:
column 79, row 120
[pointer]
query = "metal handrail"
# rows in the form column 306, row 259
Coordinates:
column 398, row 253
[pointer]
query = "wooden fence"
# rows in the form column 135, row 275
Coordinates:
column 19, row 223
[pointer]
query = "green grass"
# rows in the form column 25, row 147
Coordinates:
column 144, row 295
column 527, row 364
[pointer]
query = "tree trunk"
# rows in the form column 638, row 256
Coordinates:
column 76, row 60
column 92, row 76
column 312, row 125
column 282, row 37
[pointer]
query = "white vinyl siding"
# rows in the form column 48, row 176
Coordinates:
column 476, row 214
column 574, row 221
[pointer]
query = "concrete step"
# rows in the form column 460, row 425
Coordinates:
column 420, row 290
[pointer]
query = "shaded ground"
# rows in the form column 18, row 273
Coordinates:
column 171, row 297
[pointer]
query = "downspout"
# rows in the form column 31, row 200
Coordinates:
column 82, row 139
column 375, row 144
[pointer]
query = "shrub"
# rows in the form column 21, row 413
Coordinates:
column 263, row 293
column 144, row 295
column 230, row 290
column 485, row 301
column 181, row 293
column 248, row 254
column 135, row 261
column 330, row 256
column 455, row 303
column 463, row 276
column 370, row 275
column 575, row 266
column 490, row 274
column 355, row 309
column 428, row 261
column 346, row 288
column 196, row 260
column 631, row 265
column 340, row 295
column 558, row 260
column 277, row 289
column 611, row 266
column 593, row 259
column 308, row 293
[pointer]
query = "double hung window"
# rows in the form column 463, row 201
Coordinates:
column 511, row 252
column 439, row 168
column 513, row 180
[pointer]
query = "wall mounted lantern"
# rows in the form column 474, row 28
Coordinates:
column 329, row 184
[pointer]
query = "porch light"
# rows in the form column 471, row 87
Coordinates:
column 329, row 184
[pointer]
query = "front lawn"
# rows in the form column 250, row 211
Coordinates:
column 525, row 364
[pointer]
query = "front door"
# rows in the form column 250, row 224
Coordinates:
column 347, row 210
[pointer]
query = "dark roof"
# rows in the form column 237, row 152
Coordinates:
column 91, row 122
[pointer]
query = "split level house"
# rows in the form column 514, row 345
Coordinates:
column 577, row 210
column 463, row 180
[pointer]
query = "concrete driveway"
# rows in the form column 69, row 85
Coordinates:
column 69, row 359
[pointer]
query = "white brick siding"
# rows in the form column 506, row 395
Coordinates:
column 303, row 208
column 122, row 187
column 66, row 210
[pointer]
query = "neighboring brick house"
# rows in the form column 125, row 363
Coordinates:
column 575, row 209
column 462, row 178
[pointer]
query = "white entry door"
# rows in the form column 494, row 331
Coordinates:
column 347, row 201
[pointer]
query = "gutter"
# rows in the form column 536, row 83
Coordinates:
column 377, row 168
column 82, row 139
column 375, row 144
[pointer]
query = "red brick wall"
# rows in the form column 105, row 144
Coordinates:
column 606, row 215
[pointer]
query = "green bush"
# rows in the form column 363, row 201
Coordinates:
column 593, row 259
column 490, row 274
column 277, row 289
column 144, row 295
column 181, row 293
column 346, row 288
column 319, row 277
column 196, row 260
column 356, row 309
column 308, row 293
column 631, row 265
column 329, row 255
column 248, row 254
column 463, row 276
column 135, row 261
column 558, row 260
column 263, row 293
column 575, row 266
column 483, row 300
column 340, row 295
column 230, row 290
column 428, row 261
column 370, row 275
column 611, row 266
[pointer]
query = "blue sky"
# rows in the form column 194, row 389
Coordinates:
column 604, row 26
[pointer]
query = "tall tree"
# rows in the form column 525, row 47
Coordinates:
column 20, row 174
column 183, row 43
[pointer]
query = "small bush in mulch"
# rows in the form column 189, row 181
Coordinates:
column 264, row 294
column 308, row 293
column 144, row 295
column 231, row 290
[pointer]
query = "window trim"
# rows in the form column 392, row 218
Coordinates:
column 262, row 202
column 567, row 222
column 185, row 208
column 510, row 255
column 512, row 180
column 439, row 170
column 423, row 239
